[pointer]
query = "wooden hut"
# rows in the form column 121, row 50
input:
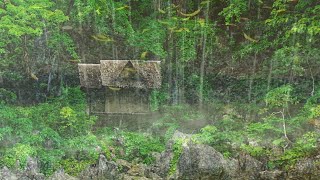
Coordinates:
column 120, row 86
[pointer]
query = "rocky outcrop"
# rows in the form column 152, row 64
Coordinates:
column 104, row 169
column 31, row 172
column 120, row 169
column 199, row 161
column 305, row 169
column 190, row 161
column 61, row 175
column 247, row 167
column 272, row 175
column 5, row 174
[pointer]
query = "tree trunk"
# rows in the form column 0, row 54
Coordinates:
column 203, row 59
column 253, row 73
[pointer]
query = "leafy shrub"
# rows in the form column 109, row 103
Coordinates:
column 254, row 151
column 207, row 134
column 73, row 167
column 140, row 146
column 177, row 151
column 279, row 97
column 72, row 123
column 227, row 142
column 49, row 160
column 305, row 146
column 5, row 131
column 51, row 138
column 7, row 96
column 82, row 147
column 18, row 153
column 73, row 96
column 157, row 99
column 170, row 131
column 49, row 131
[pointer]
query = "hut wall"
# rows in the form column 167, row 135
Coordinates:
column 96, row 100
column 126, row 101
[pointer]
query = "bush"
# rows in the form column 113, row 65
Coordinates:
column 49, row 160
column 18, row 153
column 48, row 131
column 7, row 96
column 227, row 142
column 141, row 146
column 73, row 167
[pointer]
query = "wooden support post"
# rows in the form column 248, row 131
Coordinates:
column 106, row 103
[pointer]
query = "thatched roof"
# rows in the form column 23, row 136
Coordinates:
column 90, row 75
column 146, row 74
column 121, row 73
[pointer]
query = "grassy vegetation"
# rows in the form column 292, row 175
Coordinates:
column 60, row 135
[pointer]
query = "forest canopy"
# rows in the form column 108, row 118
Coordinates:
column 260, row 43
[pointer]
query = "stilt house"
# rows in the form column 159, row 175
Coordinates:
column 120, row 86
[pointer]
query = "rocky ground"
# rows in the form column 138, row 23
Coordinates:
column 195, row 161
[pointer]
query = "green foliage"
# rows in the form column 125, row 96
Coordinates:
column 28, row 18
column 174, row 117
column 186, row 42
column 171, row 128
column 193, row 82
column 140, row 146
column 157, row 99
column 305, row 146
column 22, row 24
column 256, row 45
column 5, row 131
column 73, row 96
column 47, row 131
column 315, row 111
column 60, row 41
column 226, row 135
column 233, row 11
column 18, row 154
column 82, row 147
column 74, row 167
column 288, row 59
column 279, row 97
column 268, row 129
column 207, row 134
column 151, row 38
column 72, row 123
column 311, row 107
column 177, row 151
column 7, row 96
column 254, row 151
column 49, row 159
column 307, row 23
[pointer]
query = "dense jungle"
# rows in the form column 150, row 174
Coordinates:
column 239, row 95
